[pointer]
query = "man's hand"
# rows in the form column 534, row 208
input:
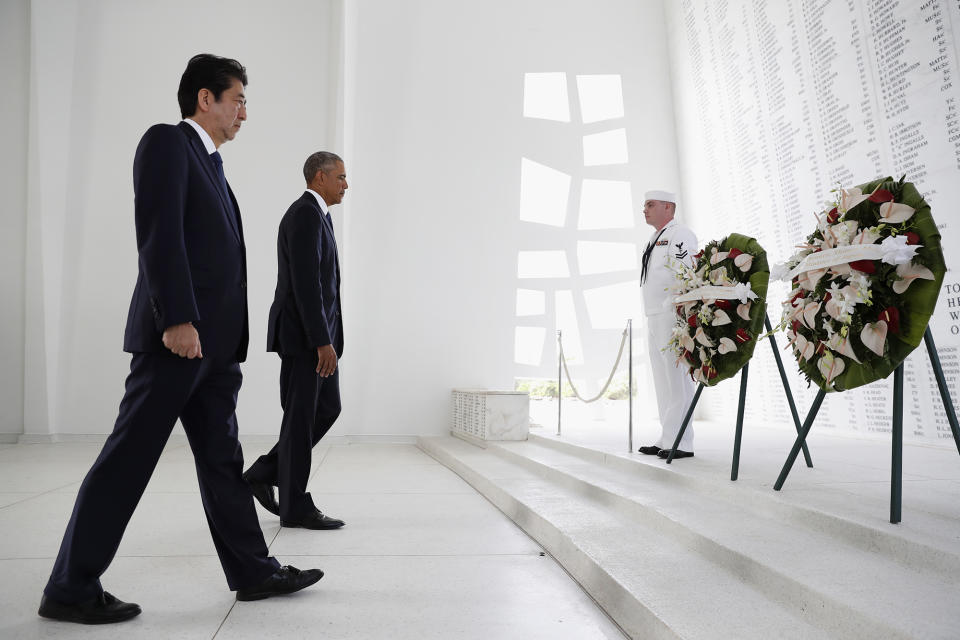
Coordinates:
column 183, row 340
column 326, row 360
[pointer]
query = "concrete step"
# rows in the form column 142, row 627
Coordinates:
column 929, row 542
column 673, row 555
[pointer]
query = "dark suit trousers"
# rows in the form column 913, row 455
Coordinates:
column 311, row 404
column 162, row 387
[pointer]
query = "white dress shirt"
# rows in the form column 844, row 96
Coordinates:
column 204, row 136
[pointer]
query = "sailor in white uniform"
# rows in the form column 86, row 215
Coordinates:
column 670, row 242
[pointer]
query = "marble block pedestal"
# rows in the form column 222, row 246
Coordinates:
column 480, row 415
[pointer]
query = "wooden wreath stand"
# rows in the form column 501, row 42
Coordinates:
column 735, row 467
column 896, row 466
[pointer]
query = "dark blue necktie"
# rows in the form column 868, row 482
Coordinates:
column 335, row 256
column 232, row 211
column 218, row 163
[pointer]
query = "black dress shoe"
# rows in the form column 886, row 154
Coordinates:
column 263, row 493
column 665, row 453
column 652, row 450
column 315, row 520
column 284, row 580
column 103, row 609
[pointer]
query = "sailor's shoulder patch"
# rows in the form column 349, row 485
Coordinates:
column 681, row 253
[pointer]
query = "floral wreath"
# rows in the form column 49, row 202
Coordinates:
column 864, row 285
column 720, row 304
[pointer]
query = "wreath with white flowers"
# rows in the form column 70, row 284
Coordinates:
column 864, row 285
column 720, row 305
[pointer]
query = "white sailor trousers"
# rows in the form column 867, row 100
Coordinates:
column 673, row 385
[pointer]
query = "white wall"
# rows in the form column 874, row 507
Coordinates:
column 434, row 115
column 14, row 77
column 101, row 73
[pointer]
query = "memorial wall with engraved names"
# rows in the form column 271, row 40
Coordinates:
column 778, row 103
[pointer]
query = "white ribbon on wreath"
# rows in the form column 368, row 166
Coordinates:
column 893, row 250
column 742, row 291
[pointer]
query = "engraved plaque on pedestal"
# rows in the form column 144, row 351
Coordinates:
column 481, row 415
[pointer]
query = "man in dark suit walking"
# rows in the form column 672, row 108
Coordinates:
column 187, row 330
column 306, row 329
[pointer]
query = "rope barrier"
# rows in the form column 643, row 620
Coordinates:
column 606, row 386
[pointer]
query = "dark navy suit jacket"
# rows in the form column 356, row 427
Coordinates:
column 192, row 260
column 305, row 313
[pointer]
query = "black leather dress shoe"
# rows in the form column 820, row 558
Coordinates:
column 315, row 520
column 652, row 450
column 665, row 453
column 263, row 493
column 103, row 609
column 284, row 580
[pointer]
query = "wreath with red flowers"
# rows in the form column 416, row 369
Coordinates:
column 851, row 322
column 720, row 306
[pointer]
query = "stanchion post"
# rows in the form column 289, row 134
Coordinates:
column 559, row 375
column 896, row 460
column 630, row 386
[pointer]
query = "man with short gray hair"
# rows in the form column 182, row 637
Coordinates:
column 670, row 242
column 306, row 330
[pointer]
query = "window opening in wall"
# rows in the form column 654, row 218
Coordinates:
column 576, row 268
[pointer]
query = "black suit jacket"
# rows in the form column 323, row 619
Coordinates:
column 192, row 259
column 305, row 313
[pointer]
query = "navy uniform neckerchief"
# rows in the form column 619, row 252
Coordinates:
column 646, row 255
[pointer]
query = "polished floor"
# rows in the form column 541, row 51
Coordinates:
column 423, row 555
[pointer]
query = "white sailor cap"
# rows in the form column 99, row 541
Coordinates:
column 663, row 196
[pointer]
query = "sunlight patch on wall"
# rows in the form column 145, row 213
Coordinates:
column 567, row 322
column 544, row 194
column 609, row 147
column 528, row 345
column 543, row 264
column 609, row 307
column 601, row 97
column 545, row 96
column 604, row 257
column 531, row 302
column 605, row 204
